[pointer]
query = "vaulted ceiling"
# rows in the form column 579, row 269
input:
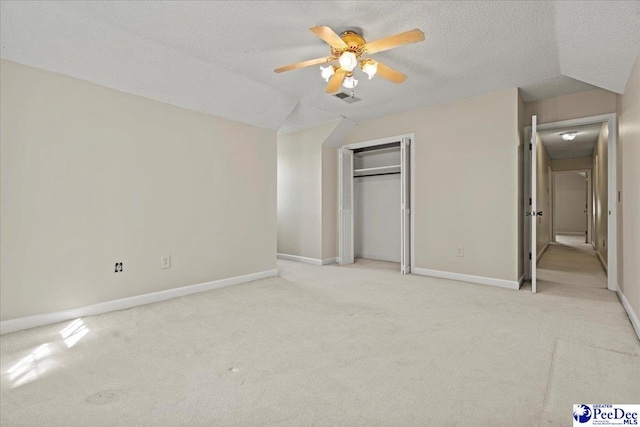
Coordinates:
column 218, row 57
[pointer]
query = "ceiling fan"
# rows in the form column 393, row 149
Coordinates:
column 348, row 48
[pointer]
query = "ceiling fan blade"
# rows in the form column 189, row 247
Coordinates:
column 304, row 64
column 329, row 36
column 336, row 80
column 390, row 74
column 387, row 43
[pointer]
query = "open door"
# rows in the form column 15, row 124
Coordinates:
column 405, row 206
column 345, row 243
column 533, row 213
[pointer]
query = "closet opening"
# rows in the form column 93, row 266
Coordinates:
column 375, row 202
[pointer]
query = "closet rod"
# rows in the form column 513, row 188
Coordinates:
column 376, row 174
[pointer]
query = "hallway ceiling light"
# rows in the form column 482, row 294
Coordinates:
column 569, row 136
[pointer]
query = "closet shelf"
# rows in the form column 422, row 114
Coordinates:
column 382, row 170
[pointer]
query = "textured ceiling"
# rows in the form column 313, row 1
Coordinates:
column 218, row 57
column 581, row 146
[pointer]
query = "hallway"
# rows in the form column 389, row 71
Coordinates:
column 570, row 262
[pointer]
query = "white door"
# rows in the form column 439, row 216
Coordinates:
column 345, row 244
column 405, row 206
column 533, row 213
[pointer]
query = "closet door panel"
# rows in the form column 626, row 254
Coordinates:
column 345, row 244
column 405, row 206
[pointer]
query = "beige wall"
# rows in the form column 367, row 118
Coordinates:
column 570, row 203
column 466, row 182
column 573, row 106
column 629, row 159
column 329, row 202
column 577, row 163
column 601, row 211
column 543, row 194
column 300, row 197
column 91, row 176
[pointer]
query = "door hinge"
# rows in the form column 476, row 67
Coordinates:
column 530, row 146
column 529, row 201
column 529, row 256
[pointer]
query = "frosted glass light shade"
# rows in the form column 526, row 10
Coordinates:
column 370, row 67
column 350, row 82
column 327, row 72
column 348, row 61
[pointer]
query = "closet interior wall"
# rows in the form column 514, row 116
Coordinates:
column 377, row 204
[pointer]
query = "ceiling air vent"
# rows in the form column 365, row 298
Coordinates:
column 347, row 98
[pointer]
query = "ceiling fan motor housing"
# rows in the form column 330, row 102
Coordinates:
column 354, row 43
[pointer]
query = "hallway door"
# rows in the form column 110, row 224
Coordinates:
column 533, row 213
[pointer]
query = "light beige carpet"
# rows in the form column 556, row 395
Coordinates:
column 328, row 346
column 570, row 262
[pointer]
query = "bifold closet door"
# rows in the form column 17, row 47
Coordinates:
column 345, row 244
column 405, row 206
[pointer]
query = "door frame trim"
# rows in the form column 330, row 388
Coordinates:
column 612, row 184
column 412, row 173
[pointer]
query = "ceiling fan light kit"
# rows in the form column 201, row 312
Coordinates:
column 348, row 49
column 348, row 61
column 327, row 72
column 370, row 67
column 350, row 82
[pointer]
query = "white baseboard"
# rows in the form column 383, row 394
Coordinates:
column 632, row 314
column 28, row 322
column 306, row 260
column 571, row 233
column 379, row 257
column 604, row 264
column 509, row 284
column 542, row 252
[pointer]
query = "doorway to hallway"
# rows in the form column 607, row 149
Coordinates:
column 586, row 147
column 569, row 261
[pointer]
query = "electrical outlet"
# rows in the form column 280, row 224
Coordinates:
column 118, row 267
column 460, row 251
column 165, row 261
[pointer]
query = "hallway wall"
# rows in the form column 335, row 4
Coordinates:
column 570, row 202
column 543, row 194
column 601, row 211
column 576, row 163
column 629, row 159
